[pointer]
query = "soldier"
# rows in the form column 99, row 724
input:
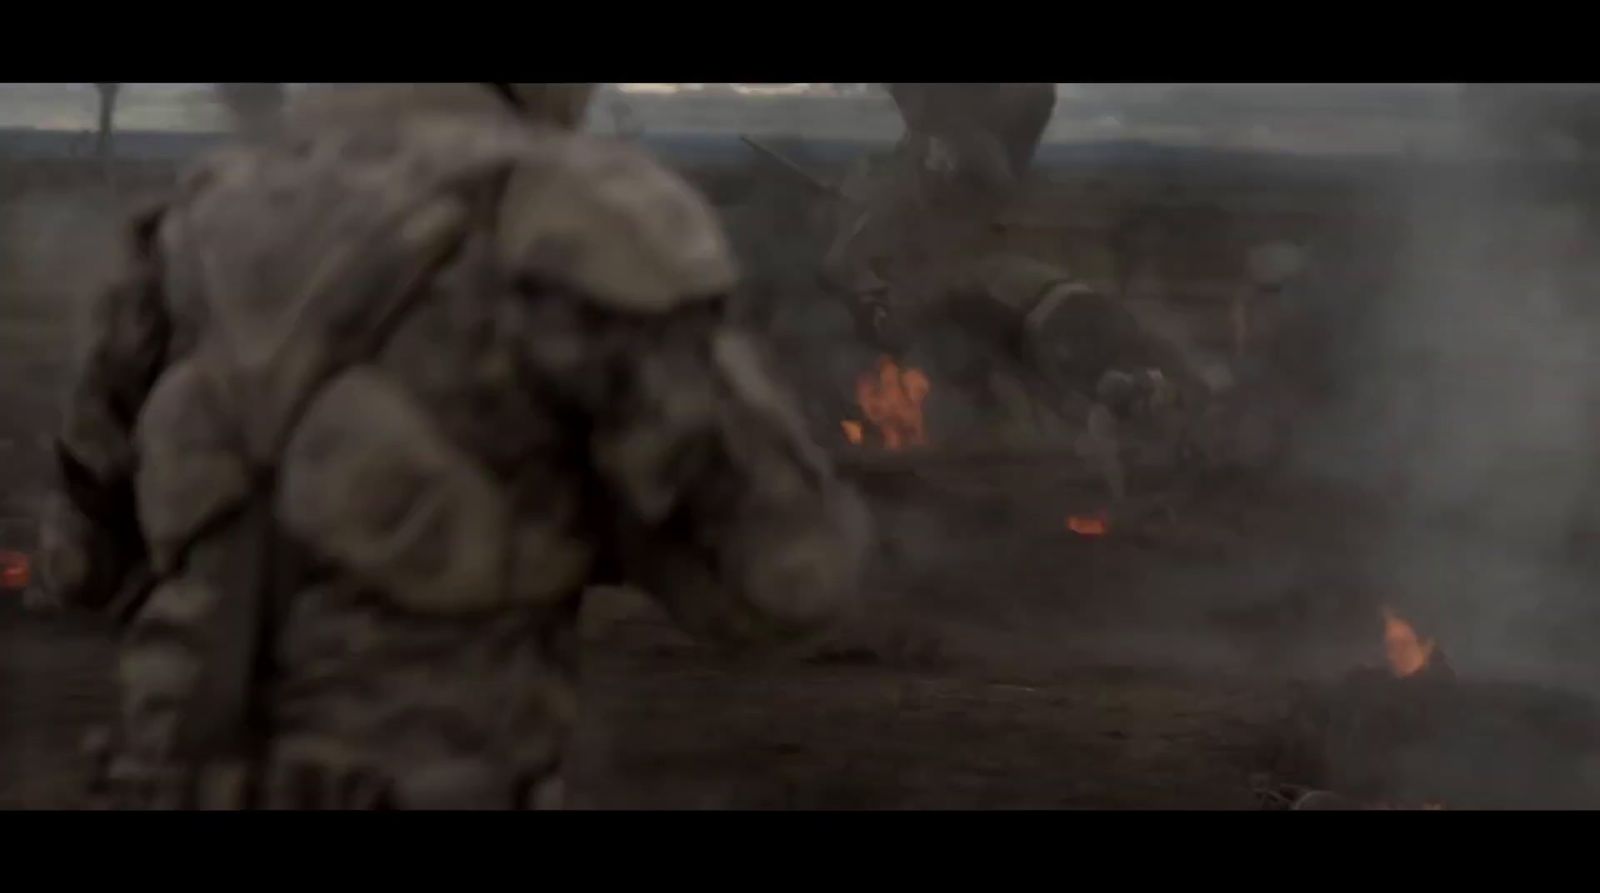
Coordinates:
column 910, row 220
column 373, row 405
column 921, row 248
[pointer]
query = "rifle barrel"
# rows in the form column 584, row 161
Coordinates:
column 810, row 179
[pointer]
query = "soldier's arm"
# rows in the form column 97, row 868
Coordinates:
column 91, row 547
column 729, row 514
column 722, row 507
column 1156, row 348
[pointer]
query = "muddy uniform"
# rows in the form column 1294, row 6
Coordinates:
column 374, row 404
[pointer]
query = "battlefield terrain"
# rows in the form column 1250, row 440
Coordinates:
column 1003, row 659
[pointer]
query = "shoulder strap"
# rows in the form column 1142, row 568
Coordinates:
column 302, row 267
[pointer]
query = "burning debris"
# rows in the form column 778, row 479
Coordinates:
column 1089, row 525
column 1408, row 653
column 1413, row 735
column 890, row 399
column 1360, row 736
column 15, row 570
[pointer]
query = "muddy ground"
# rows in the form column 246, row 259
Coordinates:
column 668, row 726
column 1004, row 664
column 892, row 723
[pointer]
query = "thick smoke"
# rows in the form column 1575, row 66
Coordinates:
column 1470, row 403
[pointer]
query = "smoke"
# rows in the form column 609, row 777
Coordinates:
column 1470, row 401
column 1446, row 304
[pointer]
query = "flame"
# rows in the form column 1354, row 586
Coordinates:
column 1088, row 525
column 891, row 399
column 1408, row 653
column 852, row 431
column 14, row 570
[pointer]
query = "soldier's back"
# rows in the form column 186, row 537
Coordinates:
column 386, row 343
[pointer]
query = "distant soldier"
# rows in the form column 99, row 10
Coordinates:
column 910, row 218
column 920, row 247
column 372, row 406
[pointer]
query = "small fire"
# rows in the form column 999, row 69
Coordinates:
column 891, row 399
column 14, row 570
column 1408, row 653
column 1088, row 525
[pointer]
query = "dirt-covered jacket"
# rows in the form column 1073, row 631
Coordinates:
column 372, row 406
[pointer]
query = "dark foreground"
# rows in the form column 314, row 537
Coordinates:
column 1004, row 663
column 669, row 727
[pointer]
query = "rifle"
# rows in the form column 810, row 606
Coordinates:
column 809, row 180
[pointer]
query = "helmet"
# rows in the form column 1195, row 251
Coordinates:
column 563, row 105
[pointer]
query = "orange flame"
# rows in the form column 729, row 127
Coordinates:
column 1408, row 653
column 1088, row 525
column 891, row 399
column 14, row 570
column 852, row 431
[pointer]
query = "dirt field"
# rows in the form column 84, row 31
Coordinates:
column 1020, row 669
column 670, row 731
column 669, row 725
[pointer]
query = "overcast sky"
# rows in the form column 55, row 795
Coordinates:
column 1335, row 118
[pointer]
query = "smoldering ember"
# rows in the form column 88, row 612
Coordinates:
column 1224, row 446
